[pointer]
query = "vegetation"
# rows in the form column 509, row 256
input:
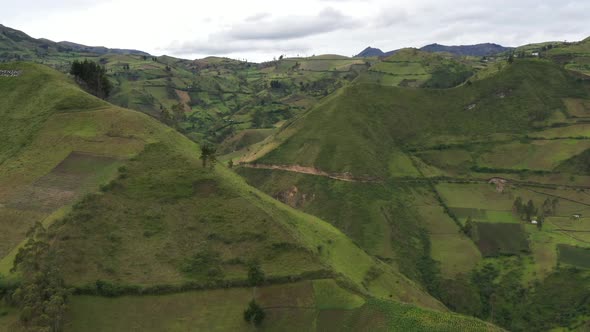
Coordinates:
column 254, row 313
column 42, row 294
column 93, row 77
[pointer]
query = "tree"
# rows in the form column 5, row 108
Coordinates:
column 530, row 210
column 554, row 205
column 178, row 112
column 518, row 207
column 254, row 313
column 230, row 163
column 468, row 227
column 93, row 77
column 208, row 155
column 255, row 274
column 42, row 294
column 511, row 58
column 275, row 84
column 258, row 118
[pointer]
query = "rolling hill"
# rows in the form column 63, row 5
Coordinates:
column 427, row 190
column 134, row 219
column 434, row 176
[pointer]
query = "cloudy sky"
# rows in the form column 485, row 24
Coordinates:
column 259, row 30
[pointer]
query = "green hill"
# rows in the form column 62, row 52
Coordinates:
column 432, row 176
column 132, row 213
column 360, row 130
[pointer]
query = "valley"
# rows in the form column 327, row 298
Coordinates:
column 419, row 190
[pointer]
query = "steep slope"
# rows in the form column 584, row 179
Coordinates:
column 435, row 177
column 359, row 130
column 163, row 223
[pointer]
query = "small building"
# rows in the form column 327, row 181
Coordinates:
column 576, row 216
column 535, row 54
column 534, row 222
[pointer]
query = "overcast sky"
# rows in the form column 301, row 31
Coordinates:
column 259, row 30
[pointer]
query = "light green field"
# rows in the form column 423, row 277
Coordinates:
column 536, row 155
column 455, row 252
column 401, row 165
column 328, row 295
column 578, row 131
column 400, row 68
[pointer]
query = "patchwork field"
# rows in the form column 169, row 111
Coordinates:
column 319, row 305
column 454, row 251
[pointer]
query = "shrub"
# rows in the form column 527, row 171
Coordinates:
column 254, row 313
column 255, row 274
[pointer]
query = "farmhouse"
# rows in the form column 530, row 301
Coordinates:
column 535, row 54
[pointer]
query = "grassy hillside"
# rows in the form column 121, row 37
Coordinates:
column 130, row 209
column 414, row 68
column 432, row 176
column 359, row 130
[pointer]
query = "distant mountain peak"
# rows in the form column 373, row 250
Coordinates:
column 483, row 49
column 369, row 52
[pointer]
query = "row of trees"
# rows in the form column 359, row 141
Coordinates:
column 42, row 294
column 93, row 77
column 528, row 211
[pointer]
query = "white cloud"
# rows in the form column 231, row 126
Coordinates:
column 261, row 29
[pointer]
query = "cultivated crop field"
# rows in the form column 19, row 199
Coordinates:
column 576, row 256
column 495, row 239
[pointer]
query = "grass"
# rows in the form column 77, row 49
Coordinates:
column 455, row 252
column 163, row 209
column 578, row 131
column 357, row 130
column 115, row 235
column 577, row 107
column 536, row 155
column 174, row 209
column 328, row 295
column 309, row 309
column 374, row 215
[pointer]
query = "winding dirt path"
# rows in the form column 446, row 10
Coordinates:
column 348, row 177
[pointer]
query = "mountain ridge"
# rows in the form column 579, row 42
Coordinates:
column 482, row 49
column 18, row 37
